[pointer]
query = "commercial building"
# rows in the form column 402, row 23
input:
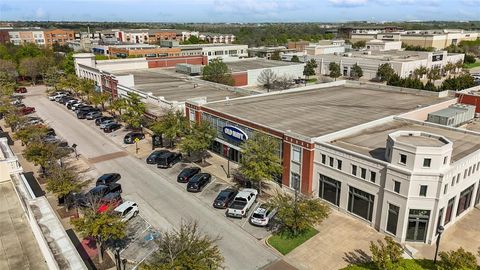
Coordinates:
column 327, row 47
column 347, row 31
column 403, row 62
column 247, row 71
column 217, row 38
column 142, row 50
column 383, row 45
column 60, row 36
column 267, row 52
column 437, row 39
column 377, row 161
column 226, row 52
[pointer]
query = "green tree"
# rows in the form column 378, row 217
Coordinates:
column 260, row 160
column 267, row 79
column 356, row 72
column 70, row 82
column 420, row 72
column 217, row 71
column 85, row 88
column 9, row 69
column 185, row 248
column 68, row 64
column 101, row 226
column 334, row 69
column 295, row 59
column 296, row 215
column 459, row 259
column 449, row 68
column 469, row 59
column 385, row 72
column 434, row 74
column 62, row 181
column 30, row 67
column 429, row 86
column 134, row 110
column 44, row 154
column 30, row 133
column 359, row 44
column 309, row 69
column 386, row 256
column 460, row 82
column 172, row 125
column 99, row 98
column 117, row 105
column 197, row 141
column 276, row 56
column 52, row 77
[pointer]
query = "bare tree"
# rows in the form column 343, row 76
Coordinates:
column 267, row 78
column 283, row 83
column 9, row 68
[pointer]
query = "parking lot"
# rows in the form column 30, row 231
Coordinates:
column 206, row 197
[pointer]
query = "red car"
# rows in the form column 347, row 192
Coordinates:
column 27, row 110
column 21, row 90
column 109, row 202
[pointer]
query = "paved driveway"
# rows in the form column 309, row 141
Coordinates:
column 163, row 202
column 341, row 239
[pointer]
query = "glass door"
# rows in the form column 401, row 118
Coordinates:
column 417, row 225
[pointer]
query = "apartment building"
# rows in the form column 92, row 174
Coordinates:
column 217, row 38
column 155, row 36
column 142, row 50
column 59, row 36
column 226, row 52
column 23, row 36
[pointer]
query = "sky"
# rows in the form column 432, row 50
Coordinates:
column 241, row 11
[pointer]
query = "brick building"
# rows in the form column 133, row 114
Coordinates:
column 59, row 36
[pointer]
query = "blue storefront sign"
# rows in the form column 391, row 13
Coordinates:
column 235, row 133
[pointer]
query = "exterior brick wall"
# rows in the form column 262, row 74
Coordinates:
column 241, row 78
column 470, row 100
column 172, row 61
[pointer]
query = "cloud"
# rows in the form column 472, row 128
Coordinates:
column 348, row 3
column 40, row 12
column 471, row 2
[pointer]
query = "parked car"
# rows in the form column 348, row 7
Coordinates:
column 263, row 215
column 82, row 113
column 59, row 97
column 187, row 173
column 168, row 159
column 75, row 106
column 242, row 203
column 224, row 198
column 106, row 122
column 131, row 136
column 27, row 110
column 21, row 90
column 71, row 101
column 93, row 115
column 55, row 95
column 153, row 157
column 108, row 178
column 34, row 121
column 51, row 132
column 99, row 120
column 127, row 210
column 64, row 99
column 198, row 182
column 83, row 108
column 96, row 193
column 111, row 127
column 109, row 202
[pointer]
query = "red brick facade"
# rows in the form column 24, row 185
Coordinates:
column 241, row 78
column 470, row 99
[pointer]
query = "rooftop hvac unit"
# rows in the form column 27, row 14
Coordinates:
column 347, row 54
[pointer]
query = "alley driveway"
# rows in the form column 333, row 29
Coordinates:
column 162, row 202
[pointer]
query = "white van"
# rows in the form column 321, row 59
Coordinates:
column 127, row 210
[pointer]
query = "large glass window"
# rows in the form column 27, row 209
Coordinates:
column 477, row 200
column 465, row 200
column 392, row 220
column 296, row 153
column 329, row 189
column 361, row 203
column 417, row 225
column 448, row 214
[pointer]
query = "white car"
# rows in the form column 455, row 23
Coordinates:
column 57, row 96
column 242, row 203
column 262, row 215
column 126, row 210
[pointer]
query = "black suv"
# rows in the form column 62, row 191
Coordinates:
column 153, row 157
column 187, row 173
column 198, row 182
column 224, row 198
column 168, row 159
column 82, row 113
column 131, row 136
column 108, row 179
column 96, row 193
column 99, row 120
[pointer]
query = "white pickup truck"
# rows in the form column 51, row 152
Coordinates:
column 242, row 203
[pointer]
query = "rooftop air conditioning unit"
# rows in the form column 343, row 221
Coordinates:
column 347, row 54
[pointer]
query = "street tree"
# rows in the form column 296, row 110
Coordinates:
column 134, row 110
column 459, row 259
column 449, row 68
column 276, row 56
column 197, row 141
column 217, row 71
column 309, row 69
column 282, row 83
column 62, row 181
column 100, row 98
column 9, row 68
column 44, row 154
column 30, row 67
column 172, row 125
column 260, row 160
column 30, row 133
column 185, row 248
column 420, row 72
column 70, row 82
column 334, row 69
column 297, row 214
column 68, row 64
column 117, row 105
column 100, row 226
column 267, row 78
column 434, row 74
column 359, row 44
column 385, row 72
column 85, row 88
column 295, row 59
column 52, row 77
column 356, row 72
column 386, row 256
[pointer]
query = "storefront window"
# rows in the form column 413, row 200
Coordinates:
column 448, row 214
column 361, row 203
column 392, row 220
column 417, row 225
column 465, row 200
column 329, row 189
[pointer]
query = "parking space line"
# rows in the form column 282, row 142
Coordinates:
column 248, row 213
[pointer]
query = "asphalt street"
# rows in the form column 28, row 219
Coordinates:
column 163, row 203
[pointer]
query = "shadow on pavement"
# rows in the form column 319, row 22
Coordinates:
column 356, row 257
column 32, row 181
column 88, row 261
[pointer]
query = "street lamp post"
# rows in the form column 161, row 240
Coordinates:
column 118, row 260
column 228, row 161
column 440, row 230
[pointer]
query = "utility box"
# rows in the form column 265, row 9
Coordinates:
column 189, row 69
column 453, row 116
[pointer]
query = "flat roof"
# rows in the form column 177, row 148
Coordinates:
column 174, row 86
column 257, row 63
column 321, row 111
column 372, row 141
column 422, row 140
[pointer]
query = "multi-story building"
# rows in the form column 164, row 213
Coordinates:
column 347, row 32
column 403, row 62
column 4, row 36
column 267, row 52
column 226, row 52
column 217, row 38
column 60, row 36
column 377, row 161
column 142, row 50
column 155, row 36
